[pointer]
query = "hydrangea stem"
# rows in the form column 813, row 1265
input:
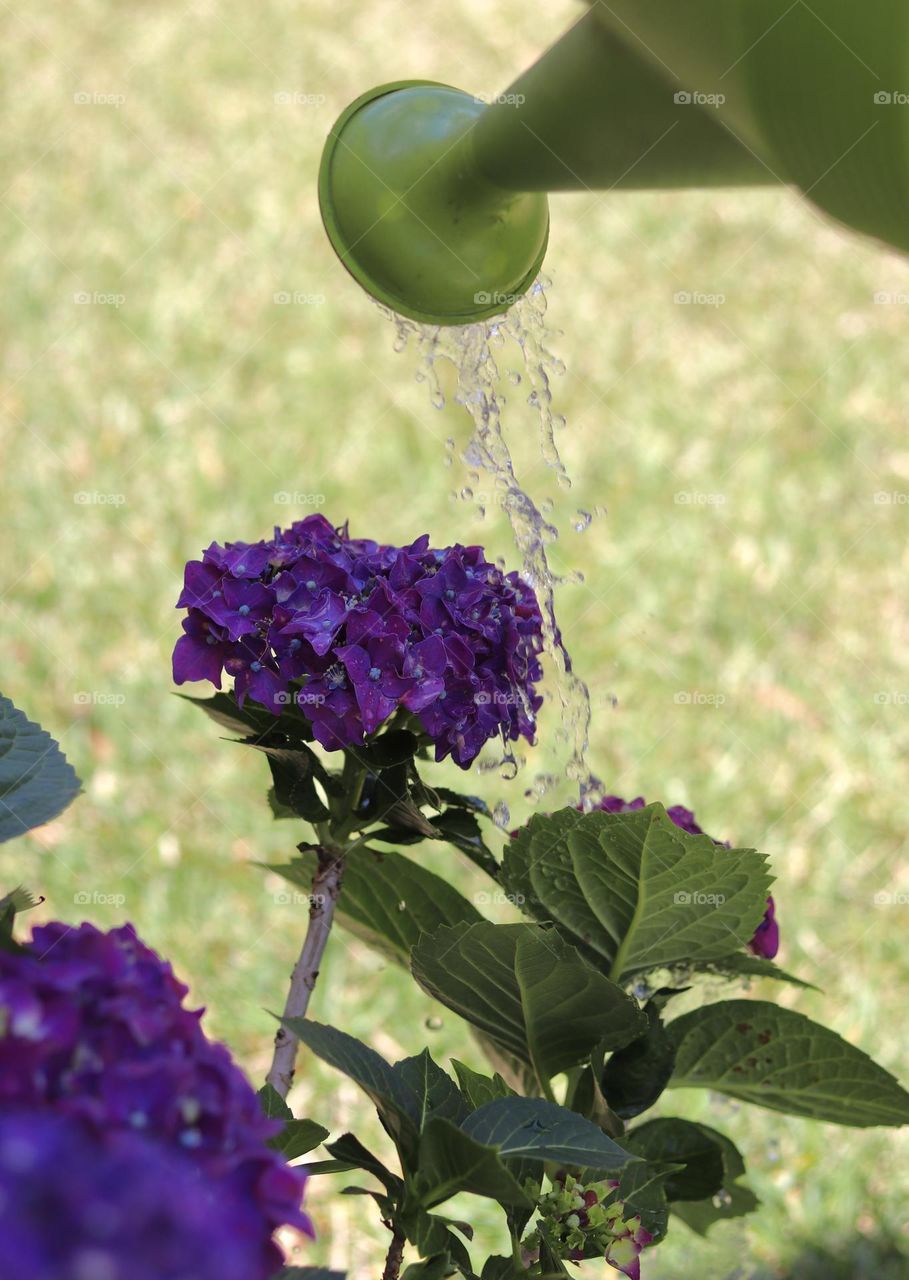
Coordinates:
column 326, row 885
column 394, row 1257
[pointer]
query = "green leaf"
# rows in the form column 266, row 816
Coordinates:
column 435, row 1268
column 315, row 1168
column 431, row 1235
column 248, row 720
column 539, row 1130
column 36, row 780
column 450, row 1161
column 396, row 1103
column 742, row 965
column 538, row 858
column 478, row 1088
column 387, row 796
column 551, row 1265
column 636, row 1075
column 470, row 969
column 20, row 899
column 436, row 1092
column 397, row 746
column 8, row 943
column 569, row 1007
column 635, row 890
column 734, row 1199
column 527, row 990
column 498, row 1267
column 272, row 1104
column 298, row 1137
column 279, row 811
column 387, row 899
column 776, row 1058
column 438, row 797
column 310, row 1273
column 350, row 1153
column 692, row 1146
column 294, row 778
column 461, row 829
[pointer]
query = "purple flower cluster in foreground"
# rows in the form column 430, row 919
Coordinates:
column 368, row 628
column 766, row 941
column 76, row 1207
column 93, row 1031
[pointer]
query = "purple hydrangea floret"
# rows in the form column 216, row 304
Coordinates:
column 74, row 1206
column 766, row 941
column 351, row 630
column 93, row 1027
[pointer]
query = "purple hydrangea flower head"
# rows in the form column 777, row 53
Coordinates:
column 766, row 941
column 364, row 630
column 78, row 1206
column 93, row 1027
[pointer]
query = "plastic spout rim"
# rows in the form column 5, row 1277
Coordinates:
column 498, row 304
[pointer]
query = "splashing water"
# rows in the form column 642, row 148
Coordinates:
column 471, row 350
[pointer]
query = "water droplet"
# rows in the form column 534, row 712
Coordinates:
column 722, row 1199
column 402, row 905
column 433, row 1024
column 509, row 766
column 501, row 815
column 582, row 521
column 542, row 784
column 466, row 493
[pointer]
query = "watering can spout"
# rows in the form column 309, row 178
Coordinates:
column 436, row 200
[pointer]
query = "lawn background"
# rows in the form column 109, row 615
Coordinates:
column 155, row 166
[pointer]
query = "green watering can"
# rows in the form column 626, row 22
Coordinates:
column 435, row 201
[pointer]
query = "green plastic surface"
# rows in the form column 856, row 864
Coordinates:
column 412, row 219
column 436, row 203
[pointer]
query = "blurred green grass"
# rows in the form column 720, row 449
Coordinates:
column 741, row 450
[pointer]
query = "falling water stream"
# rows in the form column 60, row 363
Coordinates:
column 476, row 351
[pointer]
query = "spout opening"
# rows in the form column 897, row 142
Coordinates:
column 413, row 220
